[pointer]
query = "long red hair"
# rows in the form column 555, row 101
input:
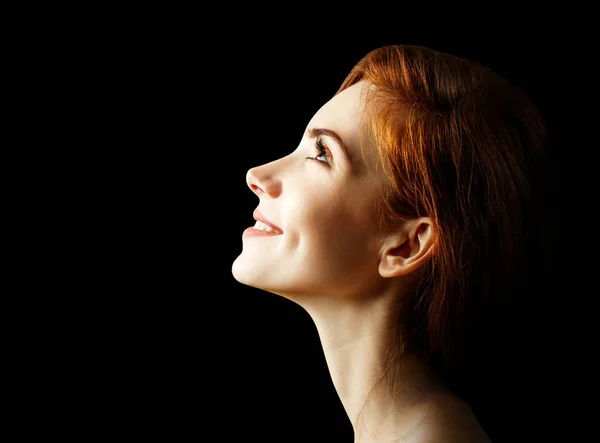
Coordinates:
column 465, row 147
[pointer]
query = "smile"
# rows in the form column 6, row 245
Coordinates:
column 262, row 227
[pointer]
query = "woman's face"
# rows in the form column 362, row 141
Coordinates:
column 325, row 208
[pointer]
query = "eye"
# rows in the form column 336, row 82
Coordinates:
column 322, row 152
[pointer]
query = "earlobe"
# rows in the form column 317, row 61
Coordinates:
column 408, row 249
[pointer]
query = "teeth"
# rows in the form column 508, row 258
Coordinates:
column 261, row 226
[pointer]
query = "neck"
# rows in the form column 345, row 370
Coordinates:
column 357, row 343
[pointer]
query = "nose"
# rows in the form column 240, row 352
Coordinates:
column 263, row 181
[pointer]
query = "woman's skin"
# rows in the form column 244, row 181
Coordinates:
column 333, row 259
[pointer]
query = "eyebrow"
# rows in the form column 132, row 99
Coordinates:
column 318, row 132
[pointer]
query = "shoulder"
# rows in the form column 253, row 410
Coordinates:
column 448, row 419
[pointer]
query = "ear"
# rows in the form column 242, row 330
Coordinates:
column 407, row 249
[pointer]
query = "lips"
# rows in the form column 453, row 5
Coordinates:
column 258, row 216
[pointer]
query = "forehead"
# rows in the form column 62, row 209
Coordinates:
column 342, row 114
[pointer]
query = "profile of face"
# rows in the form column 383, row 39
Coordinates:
column 322, row 199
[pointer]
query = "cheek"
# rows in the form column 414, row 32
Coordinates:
column 332, row 220
column 339, row 256
column 338, row 214
column 332, row 233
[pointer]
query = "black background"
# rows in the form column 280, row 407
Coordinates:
column 167, row 343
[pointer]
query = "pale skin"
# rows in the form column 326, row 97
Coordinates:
column 333, row 259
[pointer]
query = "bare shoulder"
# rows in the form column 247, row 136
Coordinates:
column 447, row 419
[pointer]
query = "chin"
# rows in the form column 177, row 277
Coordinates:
column 247, row 273
column 239, row 272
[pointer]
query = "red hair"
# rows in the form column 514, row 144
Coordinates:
column 465, row 147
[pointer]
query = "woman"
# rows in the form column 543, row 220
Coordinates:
column 404, row 223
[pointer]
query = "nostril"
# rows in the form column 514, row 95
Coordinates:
column 251, row 181
column 263, row 183
column 256, row 189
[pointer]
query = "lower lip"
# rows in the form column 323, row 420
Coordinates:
column 251, row 232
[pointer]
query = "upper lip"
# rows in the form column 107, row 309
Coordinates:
column 258, row 216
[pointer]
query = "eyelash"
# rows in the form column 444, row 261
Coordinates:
column 322, row 151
